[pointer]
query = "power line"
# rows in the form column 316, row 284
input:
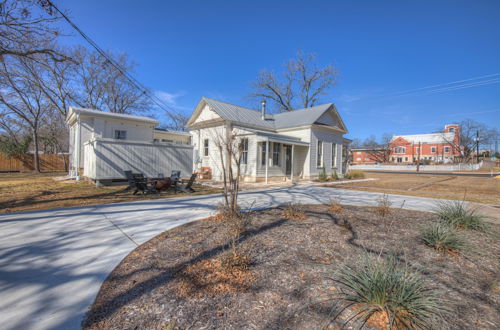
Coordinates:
column 115, row 64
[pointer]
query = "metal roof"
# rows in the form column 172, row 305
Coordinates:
column 245, row 116
column 99, row 113
column 427, row 138
column 278, row 137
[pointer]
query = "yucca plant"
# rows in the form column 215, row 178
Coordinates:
column 383, row 287
column 442, row 237
column 459, row 215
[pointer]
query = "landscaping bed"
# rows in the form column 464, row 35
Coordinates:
column 179, row 279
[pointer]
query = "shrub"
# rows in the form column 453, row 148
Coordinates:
column 383, row 207
column 334, row 205
column 335, row 175
column 442, row 237
column 322, row 176
column 457, row 214
column 293, row 211
column 355, row 174
column 384, row 289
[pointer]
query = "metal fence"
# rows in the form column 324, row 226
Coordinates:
column 423, row 168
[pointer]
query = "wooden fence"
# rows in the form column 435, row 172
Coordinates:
column 25, row 163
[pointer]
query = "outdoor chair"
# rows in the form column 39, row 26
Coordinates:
column 187, row 188
column 138, row 182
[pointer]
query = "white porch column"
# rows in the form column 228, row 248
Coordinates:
column 267, row 159
column 291, row 173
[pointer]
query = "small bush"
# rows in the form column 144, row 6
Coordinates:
column 388, row 292
column 335, row 206
column 355, row 174
column 383, row 207
column 458, row 215
column 335, row 175
column 293, row 211
column 442, row 238
column 322, row 176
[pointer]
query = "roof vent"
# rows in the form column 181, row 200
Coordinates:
column 263, row 110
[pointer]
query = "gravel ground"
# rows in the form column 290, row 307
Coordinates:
column 175, row 281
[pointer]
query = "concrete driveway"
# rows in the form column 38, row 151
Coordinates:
column 53, row 262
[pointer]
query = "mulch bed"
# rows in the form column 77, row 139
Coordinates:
column 178, row 281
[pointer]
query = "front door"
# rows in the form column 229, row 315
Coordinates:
column 288, row 159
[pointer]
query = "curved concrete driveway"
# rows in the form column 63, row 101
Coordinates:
column 53, row 262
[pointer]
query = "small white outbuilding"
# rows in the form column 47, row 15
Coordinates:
column 102, row 145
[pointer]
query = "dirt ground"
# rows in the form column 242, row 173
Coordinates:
column 30, row 191
column 475, row 189
column 174, row 281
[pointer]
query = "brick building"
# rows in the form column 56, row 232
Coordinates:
column 404, row 149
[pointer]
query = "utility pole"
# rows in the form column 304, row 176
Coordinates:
column 477, row 146
column 418, row 156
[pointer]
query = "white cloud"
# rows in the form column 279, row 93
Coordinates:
column 171, row 99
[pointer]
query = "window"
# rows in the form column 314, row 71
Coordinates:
column 205, row 147
column 263, row 154
column 165, row 140
column 452, row 129
column 446, row 149
column 417, row 150
column 155, row 140
column 399, row 150
column 120, row 135
column 406, row 159
column 334, row 155
column 244, row 151
column 276, row 154
column 358, row 159
column 433, row 150
column 319, row 160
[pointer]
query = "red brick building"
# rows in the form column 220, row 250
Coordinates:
column 434, row 147
column 405, row 149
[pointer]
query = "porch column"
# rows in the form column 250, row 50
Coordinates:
column 291, row 173
column 267, row 158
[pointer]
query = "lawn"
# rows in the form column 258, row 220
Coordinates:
column 180, row 280
column 473, row 189
column 29, row 191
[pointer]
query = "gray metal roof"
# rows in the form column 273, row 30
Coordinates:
column 245, row 116
column 278, row 137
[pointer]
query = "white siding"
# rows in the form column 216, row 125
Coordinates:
column 206, row 114
column 328, row 137
column 107, row 159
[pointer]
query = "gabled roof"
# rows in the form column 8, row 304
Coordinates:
column 252, row 118
column 98, row 113
column 427, row 138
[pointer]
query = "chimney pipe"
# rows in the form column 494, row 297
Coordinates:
column 263, row 110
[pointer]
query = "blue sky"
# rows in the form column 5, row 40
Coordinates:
column 188, row 49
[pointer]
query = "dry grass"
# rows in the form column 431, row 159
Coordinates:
column 293, row 211
column 383, row 207
column 30, row 191
column 479, row 190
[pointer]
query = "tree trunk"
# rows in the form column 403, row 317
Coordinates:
column 36, row 157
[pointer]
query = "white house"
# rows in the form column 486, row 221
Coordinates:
column 284, row 146
column 103, row 144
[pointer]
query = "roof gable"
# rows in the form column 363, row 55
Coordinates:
column 252, row 118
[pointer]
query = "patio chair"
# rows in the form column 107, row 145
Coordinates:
column 175, row 176
column 187, row 188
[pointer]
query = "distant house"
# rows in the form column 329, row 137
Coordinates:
column 435, row 147
column 284, row 146
column 103, row 144
column 365, row 155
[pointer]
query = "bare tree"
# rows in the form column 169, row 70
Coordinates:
column 468, row 140
column 104, row 87
column 27, row 29
column 302, row 79
column 380, row 152
column 21, row 98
